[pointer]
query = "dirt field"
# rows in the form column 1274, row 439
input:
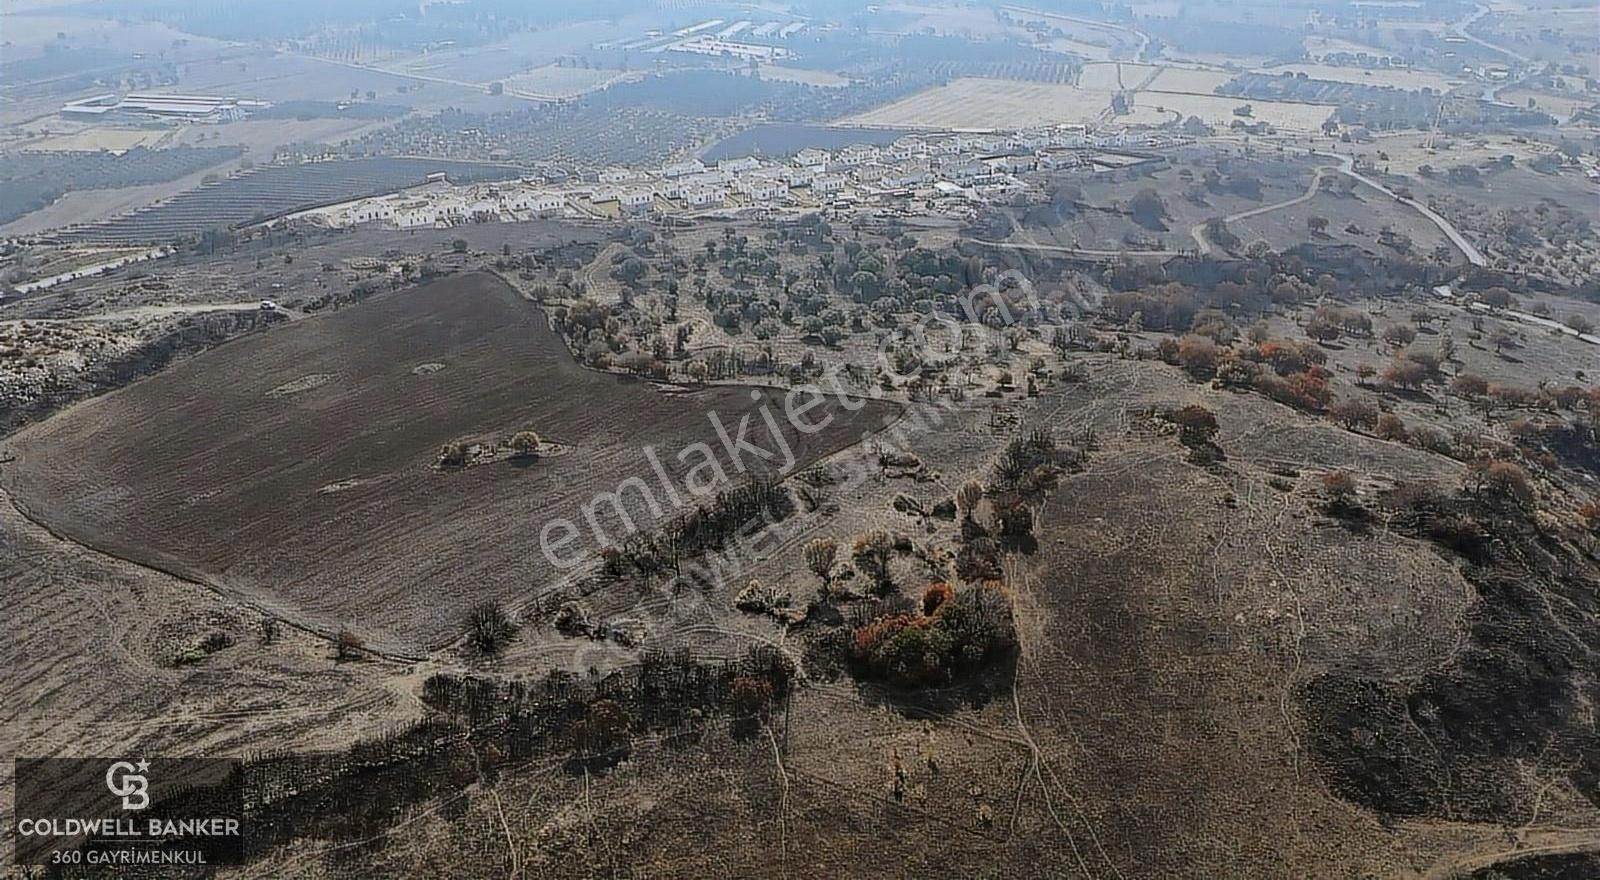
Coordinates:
column 1400, row 78
column 323, row 504
column 551, row 81
column 1185, row 79
column 1003, row 104
column 1113, row 76
column 988, row 103
column 104, row 137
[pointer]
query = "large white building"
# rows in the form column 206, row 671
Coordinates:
column 191, row 107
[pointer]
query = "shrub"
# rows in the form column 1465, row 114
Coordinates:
column 489, row 628
column 750, row 696
column 1589, row 515
column 347, row 645
column 1196, row 425
column 1500, row 479
column 1391, row 427
column 871, row 551
column 820, row 555
column 1197, row 355
column 1339, row 485
column 1353, row 413
column 524, row 444
column 934, row 597
column 1470, row 385
column 970, row 629
column 453, row 455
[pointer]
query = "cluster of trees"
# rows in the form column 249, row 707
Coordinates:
column 33, row 179
column 704, row 529
column 951, row 633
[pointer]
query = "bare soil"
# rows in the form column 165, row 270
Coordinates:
column 220, row 482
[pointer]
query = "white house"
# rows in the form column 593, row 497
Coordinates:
column 827, row 183
column 799, row 176
column 811, row 158
column 702, row 196
column 684, row 169
column 637, row 198
column 735, row 166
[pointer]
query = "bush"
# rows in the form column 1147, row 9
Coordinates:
column 1500, row 480
column 1353, row 413
column 1198, row 356
column 347, row 645
column 1391, row 427
column 1196, row 425
column 1470, row 385
column 934, row 597
column 967, row 631
column 489, row 628
column 524, row 444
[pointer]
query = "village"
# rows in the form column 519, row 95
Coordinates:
column 946, row 173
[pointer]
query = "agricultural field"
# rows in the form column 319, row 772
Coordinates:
column 1409, row 79
column 320, row 497
column 272, row 191
column 1558, row 105
column 1217, row 110
column 988, row 103
column 1188, row 79
column 1115, row 75
column 780, row 73
column 99, row 137
column 553, row 81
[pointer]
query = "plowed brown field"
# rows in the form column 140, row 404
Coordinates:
column 294, row 469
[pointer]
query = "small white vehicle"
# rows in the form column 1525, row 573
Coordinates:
column 268, row 305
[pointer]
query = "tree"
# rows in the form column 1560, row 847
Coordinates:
column 1317, row 225
column 872, row 550
column 525, row 444
column 1353, row 413
column 489, row 627
column 1339, row 486
column 968, row 497
column 1196, row 425
column 1470, row 385
column 1399, row 335
column 1391, row 427
column 1147, row 209
column 1404, row 372
column 459, row 245
column 820, row 555
column 347, row 645
column 1197, row 355
column 453, row 455
column 1580, row 324
column 1500, row 479
column 603, row 731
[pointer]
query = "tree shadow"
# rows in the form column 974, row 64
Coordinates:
column 974, row 690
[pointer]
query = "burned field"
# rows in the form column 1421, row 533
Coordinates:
column 308, row 484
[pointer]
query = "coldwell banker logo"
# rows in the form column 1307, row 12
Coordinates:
column 133, row 788
column 121, row 812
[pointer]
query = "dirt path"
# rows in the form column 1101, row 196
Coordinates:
column 1559, row 841
column 1198, row 231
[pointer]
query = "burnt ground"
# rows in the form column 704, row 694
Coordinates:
column 305, row 483
column 1174, row 622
